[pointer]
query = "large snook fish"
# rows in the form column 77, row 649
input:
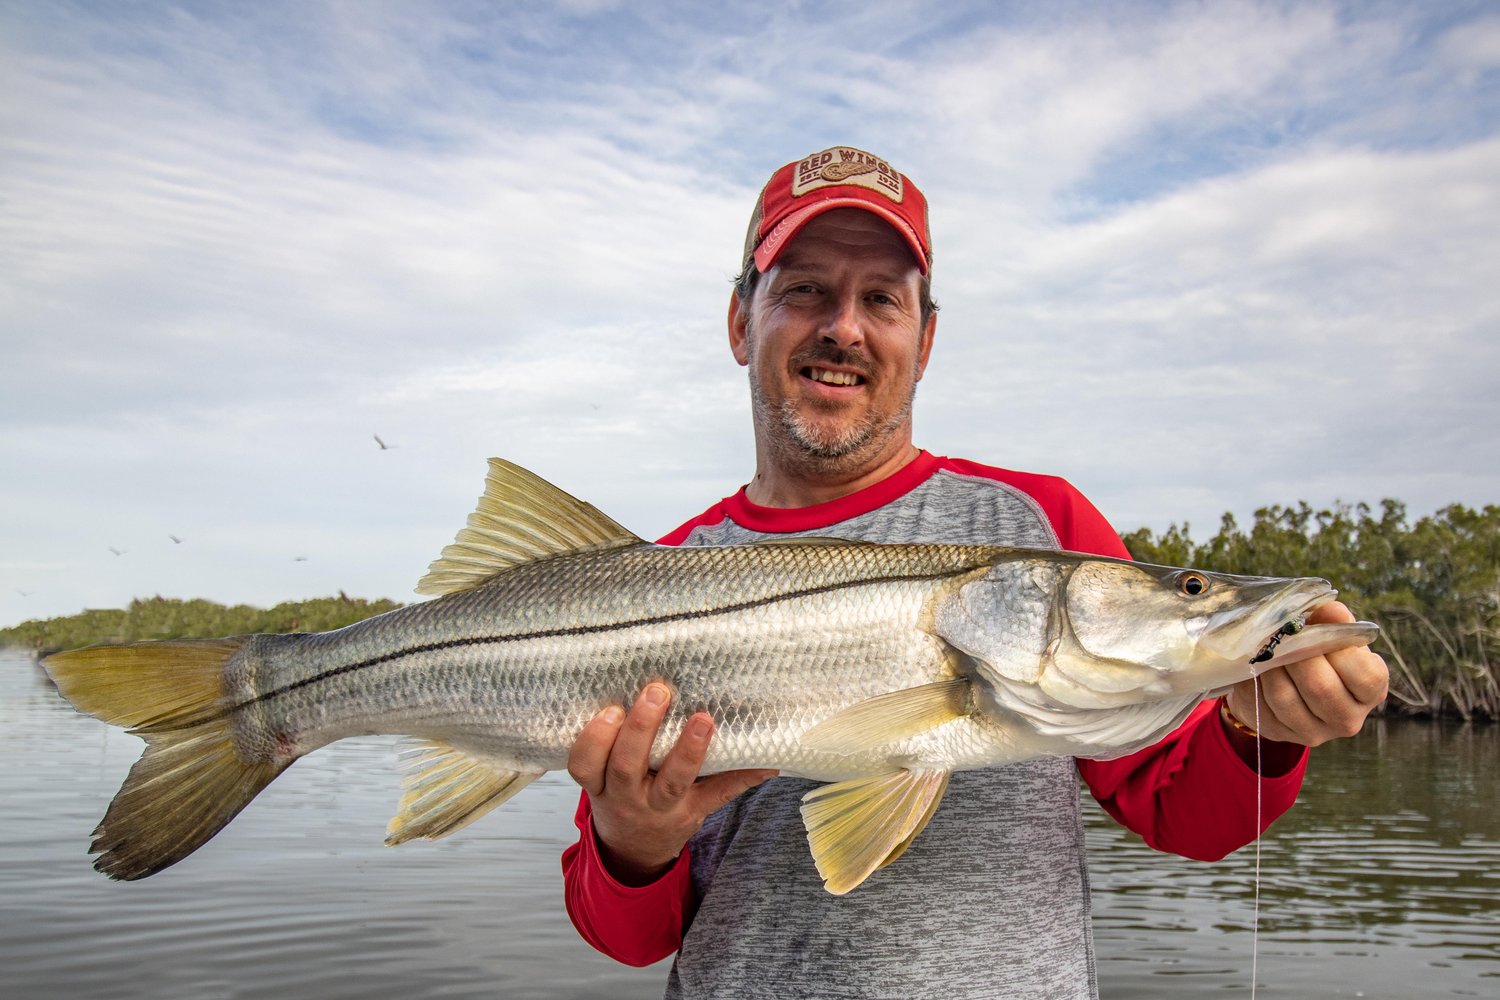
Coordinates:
column 880, row 668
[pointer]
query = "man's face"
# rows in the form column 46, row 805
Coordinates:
column 832, row 340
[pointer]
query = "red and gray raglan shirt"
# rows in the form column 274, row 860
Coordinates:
column 992, row 898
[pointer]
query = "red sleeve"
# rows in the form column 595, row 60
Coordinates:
column 1190, row 793
column 633, row 925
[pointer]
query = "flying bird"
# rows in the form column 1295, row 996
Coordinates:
column 383, row 445
column 118, row 552
column 175, row 539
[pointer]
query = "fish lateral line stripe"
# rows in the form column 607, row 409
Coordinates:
column 558, row 633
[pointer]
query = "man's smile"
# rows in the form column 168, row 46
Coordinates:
column 827, row 376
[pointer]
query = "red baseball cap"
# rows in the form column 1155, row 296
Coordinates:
column 838, row 177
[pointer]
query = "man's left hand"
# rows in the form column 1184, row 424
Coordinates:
column 1318, row 699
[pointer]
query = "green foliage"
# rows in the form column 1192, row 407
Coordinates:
column 168, row 618
column 1434, row 586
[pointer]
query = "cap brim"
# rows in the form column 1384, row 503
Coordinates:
column 777, row 239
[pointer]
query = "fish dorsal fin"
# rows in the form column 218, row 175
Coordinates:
column 891, row 718
column 446, row 789
column 520, row 518
column 857, row 826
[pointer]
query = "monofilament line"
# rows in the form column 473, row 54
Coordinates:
column 1255, row 913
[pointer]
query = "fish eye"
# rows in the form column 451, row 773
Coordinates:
column 1192, row 584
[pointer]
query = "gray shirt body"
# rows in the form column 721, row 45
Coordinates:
column 990, row 901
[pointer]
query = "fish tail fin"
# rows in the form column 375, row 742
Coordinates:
column 190, row 781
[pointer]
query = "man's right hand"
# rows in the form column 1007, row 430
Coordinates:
column 643, row 818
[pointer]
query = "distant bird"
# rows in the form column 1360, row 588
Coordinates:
column 24, row 593
column 118, row 552
column 383, row 445
column 175, row 539
column 299, row 558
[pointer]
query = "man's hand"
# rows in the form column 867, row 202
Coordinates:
column 642, row 819
column 1319, row 699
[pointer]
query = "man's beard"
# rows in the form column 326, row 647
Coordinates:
column 805, row 442
column 830, row 446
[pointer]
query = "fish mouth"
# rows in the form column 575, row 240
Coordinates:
column 1272, row 611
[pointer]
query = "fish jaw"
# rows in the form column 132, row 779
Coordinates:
column 1265, row 630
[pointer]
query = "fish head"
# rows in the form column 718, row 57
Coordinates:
column 1161, row 630
column 1088, row 632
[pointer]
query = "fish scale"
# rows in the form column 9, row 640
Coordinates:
column 879, row 668
column 523, row 662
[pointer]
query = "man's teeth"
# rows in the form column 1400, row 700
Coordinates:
column 832, row 378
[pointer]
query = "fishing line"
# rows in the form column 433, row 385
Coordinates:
column 1259, row 789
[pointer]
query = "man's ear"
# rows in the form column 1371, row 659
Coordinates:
column 739, row 319
column 924, row 349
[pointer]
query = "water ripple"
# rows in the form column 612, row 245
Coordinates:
column 1384, row 881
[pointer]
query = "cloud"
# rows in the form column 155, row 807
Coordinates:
column 1313, row 324
column 1197, row 257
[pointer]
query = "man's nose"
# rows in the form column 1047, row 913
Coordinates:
column 842, row 325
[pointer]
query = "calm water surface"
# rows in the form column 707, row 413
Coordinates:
column 1383, row 882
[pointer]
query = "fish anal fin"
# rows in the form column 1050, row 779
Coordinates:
column 891, row 718
column 520, row 518
column 446, row 788
column 921, row 824
column 857, row 826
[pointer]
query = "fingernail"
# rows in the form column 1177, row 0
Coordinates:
column 699, row 729
column 655, row 695
column 613, row 715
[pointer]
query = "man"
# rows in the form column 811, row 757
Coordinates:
column 833, row 317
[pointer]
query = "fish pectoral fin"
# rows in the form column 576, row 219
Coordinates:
column 891, row 718
column 857, row 826
column 520, row 518
column 446, row 789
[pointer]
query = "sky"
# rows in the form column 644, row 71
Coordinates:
column 1198, row 258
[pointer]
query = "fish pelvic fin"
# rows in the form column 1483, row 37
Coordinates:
column 855, row 827
column 190, row 781
column 520, row 518
column 891, row 718
column 446, row 789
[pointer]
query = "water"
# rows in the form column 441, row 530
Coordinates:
column 1383, row 882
